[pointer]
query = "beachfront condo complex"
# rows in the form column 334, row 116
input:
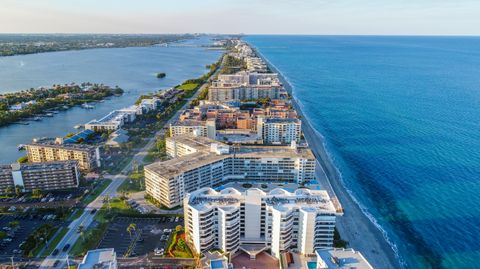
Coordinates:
column 207, row 163
column 254, row 220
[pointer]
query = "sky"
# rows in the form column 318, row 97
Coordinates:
column 357, row 17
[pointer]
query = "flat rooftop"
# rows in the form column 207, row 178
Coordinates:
column 52, row 144
column 199, row 143
column 339, row 258
column 98, row 258
column 185, row 163
column 279, row 199
column 189, row 123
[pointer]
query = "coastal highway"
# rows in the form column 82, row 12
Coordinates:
column 87, row 217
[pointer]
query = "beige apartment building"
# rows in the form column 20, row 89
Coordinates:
column 87, row 156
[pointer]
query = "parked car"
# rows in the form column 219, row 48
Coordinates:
column 55, row 252
column 66, row 247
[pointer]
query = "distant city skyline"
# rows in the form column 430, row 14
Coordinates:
column 370, row 17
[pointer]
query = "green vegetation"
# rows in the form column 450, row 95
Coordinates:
column 54, row 242
column 13, row 44
column 99, row 187
column 232, row 65
column 177, row 246
column 37, row 193
column 337, row 241
column 89, row 240
column 188, row 86
column 78, row 212
column 23, row 159
column 110, row 209
column 161, row 75
column 134, row 183
column 158, row 152
column 40, row 100
column 36, row 241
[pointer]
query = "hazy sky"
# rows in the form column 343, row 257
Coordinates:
column 449, row 17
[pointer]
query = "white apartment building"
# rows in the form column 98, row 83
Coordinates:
column 117, row 118
column 246, row 86
column 209, row 166
column 182, row 145
column 194, row 128
column 279, row 130
column 279, row 220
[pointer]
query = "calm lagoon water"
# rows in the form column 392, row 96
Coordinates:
column 401, row 117
column 132, row 69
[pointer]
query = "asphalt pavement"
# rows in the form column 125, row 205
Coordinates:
column 87, row 217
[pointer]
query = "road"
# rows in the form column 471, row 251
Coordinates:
column 87, row 217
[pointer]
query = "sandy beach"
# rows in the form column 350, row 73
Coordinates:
column 354, row 226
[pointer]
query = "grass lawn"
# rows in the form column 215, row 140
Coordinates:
column 77, row 214
column 54, row 242
column 188, row 86
column 134, row 183
column 89, row 240
column 96, row 191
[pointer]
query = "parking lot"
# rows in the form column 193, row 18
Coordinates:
column 150, row 234
column 15, row 236
column 52, row 199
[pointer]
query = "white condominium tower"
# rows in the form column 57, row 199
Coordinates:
column 279, row 131
column 210, row 164
column 279, row 220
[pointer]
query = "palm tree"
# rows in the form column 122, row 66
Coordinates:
column 131, row 227
column 81, row 230
column 18, row 190
column 106, row 200
column 9, row 190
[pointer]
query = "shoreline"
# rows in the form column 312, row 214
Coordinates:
column 354, row 226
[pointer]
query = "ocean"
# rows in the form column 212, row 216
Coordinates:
column 132, row 69
column 401, row 120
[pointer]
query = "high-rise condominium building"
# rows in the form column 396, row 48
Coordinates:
column 44, row 176
column 210, row 164
column 279, row 220
column 279, row 131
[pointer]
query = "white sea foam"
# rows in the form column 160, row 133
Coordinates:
column 331, row 160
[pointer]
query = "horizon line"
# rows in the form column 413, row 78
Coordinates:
column 240, row 34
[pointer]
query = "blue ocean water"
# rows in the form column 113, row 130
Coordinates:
column 401, row 118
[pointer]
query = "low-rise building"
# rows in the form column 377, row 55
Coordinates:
column 230, row 220
column 117, row 118
column 99, row 259
column 48, row 150
column 44, row 176
column 209, row 166
column 339, row 258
